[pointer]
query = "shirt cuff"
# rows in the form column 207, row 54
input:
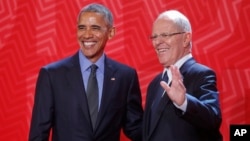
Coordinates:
column 182, row 107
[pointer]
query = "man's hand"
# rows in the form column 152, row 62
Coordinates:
column 176, row 92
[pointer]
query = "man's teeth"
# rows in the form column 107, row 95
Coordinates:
column 162, row 50
column 88, row 43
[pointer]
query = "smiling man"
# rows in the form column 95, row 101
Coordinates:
column 88, row 96
column 182, row 102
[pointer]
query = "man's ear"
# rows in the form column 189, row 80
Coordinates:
column 112, row 31
column 188, row 39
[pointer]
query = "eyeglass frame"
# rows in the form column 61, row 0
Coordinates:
column 165, row 35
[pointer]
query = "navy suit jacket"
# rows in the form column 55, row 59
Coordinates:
column 61, row 104
column 202, row 119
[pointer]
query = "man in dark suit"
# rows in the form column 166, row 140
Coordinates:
column 182, row 103
column 62, row 97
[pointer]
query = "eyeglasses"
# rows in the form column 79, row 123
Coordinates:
column 165, row 35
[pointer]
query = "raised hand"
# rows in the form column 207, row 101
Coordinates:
column 176, row 92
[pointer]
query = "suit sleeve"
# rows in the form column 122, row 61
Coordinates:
column 203, row 109
column 42, row 111
column 133, row 121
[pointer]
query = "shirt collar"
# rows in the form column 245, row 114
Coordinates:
column 85, row 63
column 179, row 63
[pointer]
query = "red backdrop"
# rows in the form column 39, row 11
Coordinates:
column 36, row 32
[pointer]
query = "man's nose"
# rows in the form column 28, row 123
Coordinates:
column 88, row 33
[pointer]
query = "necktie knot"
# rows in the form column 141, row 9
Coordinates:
column 93, row 68
column 165, row 76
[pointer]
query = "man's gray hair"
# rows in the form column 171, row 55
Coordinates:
column 178, row 18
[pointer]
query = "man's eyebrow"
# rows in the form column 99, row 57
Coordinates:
column 96, row 26
column 80, row 25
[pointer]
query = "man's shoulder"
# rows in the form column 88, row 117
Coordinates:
column 193, row 65
column 64, row 62
column 118, row 64
column 202, row 68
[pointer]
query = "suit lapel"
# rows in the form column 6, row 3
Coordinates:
column 108, row 84
column 162, row 105
column 160, row 108
column 74, row 78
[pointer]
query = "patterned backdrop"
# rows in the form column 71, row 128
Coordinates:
column 36, row 32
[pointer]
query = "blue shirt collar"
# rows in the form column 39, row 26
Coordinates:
column 85, row 63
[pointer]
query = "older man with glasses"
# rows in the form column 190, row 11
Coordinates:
column 182, row 102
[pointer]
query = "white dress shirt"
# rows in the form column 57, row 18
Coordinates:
column 178, row 64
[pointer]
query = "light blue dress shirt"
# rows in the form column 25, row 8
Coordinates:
column 85, row 70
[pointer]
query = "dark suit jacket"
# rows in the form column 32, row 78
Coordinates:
column 61, row 104
column 202, row 119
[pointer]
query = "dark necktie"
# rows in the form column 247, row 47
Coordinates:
column 92, row 95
